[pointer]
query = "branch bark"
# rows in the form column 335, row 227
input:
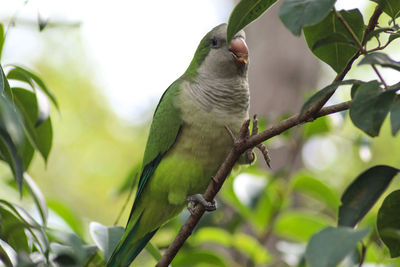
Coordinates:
column 242, row 144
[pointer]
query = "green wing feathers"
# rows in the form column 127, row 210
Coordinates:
column 164, row 130
column 129, row 248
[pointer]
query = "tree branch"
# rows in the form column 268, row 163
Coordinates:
column 242, row 144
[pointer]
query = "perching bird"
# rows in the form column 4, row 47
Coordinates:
column 187, row 141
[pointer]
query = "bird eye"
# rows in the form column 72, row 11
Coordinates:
column 214, row 42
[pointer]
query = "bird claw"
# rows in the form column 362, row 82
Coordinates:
column 199, row 199
column 265, row 153
column 244, row 134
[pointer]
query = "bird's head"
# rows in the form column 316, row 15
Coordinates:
column 216, row 58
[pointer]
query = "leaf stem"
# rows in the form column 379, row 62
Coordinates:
column 379, row 75
column 350, row 31
column 363, row 253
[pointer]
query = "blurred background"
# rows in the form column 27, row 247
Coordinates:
column 108, row 62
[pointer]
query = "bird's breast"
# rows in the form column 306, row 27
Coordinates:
column 204, row 137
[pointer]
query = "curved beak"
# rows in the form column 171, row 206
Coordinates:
column 239, row 50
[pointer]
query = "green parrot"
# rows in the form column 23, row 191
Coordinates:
column 187, row 141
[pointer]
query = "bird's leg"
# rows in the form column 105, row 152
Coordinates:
column 247, row 157
column 199, row 199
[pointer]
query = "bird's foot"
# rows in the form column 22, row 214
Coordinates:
column 199, row 199
column 244, row 133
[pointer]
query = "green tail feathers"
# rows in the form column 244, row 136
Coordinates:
column 129, row 247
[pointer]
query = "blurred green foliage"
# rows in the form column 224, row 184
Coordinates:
column 287, row 217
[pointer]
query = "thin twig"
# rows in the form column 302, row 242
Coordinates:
column 373, row 22
column 350, row 31
column 379, row 75
column 379, row 47
column 363, row 253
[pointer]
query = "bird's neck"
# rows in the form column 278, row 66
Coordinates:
column 224, row 95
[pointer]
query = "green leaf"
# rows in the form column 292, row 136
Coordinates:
column 394, row 87
column 8, row 255
column 27, row 152
column 41, row 136
column 363, row 192
column 67, row 215
column 199, row 258
column 369, row 107
column 39, row 82
column 249, row 246
column 9, row 153
column 316, row 127
column 395, row 117
column 394, row 36
column 300, row 226
column 388, row 223
column 241, row 242
column 43, row 106
column 10, row 121
column 296, row 14
column 244, row 13
column 316, row 189
column 12, row 231
column 44, row 135
column 377, row 32
column 70, row 250
column 213, row 235
column 330, row 246
column 270, row 201
column 4, row 85
column 24, row 260
column 11, row 139
column 318, row 96
column 390, row 7
column 335, row 38
column 40, row 239
column 37, row 197
column 153, row 251
column 106, row 237
column 18, row 75
column 2, row 39
column 354, row 89
column 64, row 255
column 380, row 59
column 336, row 54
